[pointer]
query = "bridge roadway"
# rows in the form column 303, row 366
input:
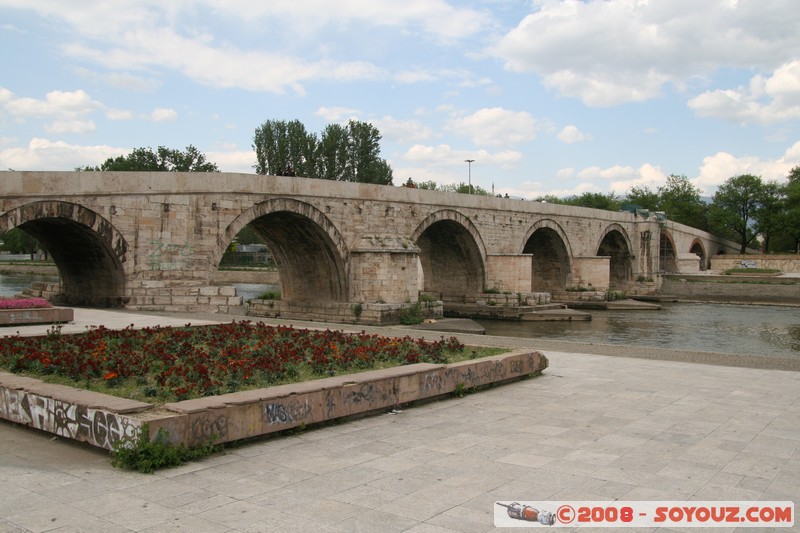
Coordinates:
column 345, row 251
column 592, row 427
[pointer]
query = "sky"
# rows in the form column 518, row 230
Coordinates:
column 548, row 97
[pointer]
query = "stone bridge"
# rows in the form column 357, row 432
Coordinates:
column 154, row 241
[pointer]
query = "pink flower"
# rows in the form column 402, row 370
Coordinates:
column 23, row 303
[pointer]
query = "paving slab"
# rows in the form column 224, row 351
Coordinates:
column 592, row 427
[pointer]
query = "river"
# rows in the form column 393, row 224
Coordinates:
column 744, row 329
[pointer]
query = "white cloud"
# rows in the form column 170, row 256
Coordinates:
column 763, row 101
column 233, row 160
column 121, row 80
column 45, row 154
column 496, row 127
column 718, row 168
column 608, row 52
column 444, row 156
column 70, row 126
column 436, row 18
column 402, row 131
column 163, row 114
column 149, row 34
column 336, row 114
column 119, row 114
column 66, row 111
column 571, row 134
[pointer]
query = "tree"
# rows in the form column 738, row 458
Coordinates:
column 17, row 241
column 770, row 214
column 285, row 148
column 792, row 208
column 465, row 188
column 734, row 207
column 681, row 202
column 342, row 153
column 429, row 185
column 332, row 153
column 162, row 160
column 596, row 200
column 644, row 198
column 364, row 164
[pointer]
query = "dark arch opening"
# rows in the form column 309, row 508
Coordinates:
column 697, row 249
column 310, row 267
column 551, row 270
column 451, row 261
column 667, row 257
column 613, row 245
column 90, row 269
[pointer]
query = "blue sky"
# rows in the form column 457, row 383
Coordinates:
column 548, row 97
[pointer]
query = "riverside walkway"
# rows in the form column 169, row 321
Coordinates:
column 649, row 425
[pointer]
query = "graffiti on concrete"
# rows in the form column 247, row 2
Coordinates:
column 95, row 426
column 165, row 256
column 209, row 427
column 292, row 411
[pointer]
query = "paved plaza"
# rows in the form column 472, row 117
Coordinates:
column 592, row 427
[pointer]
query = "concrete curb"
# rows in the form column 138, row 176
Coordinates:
column 102, row 420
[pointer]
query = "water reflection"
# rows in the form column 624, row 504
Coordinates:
column 13, row 284
column 705, row 327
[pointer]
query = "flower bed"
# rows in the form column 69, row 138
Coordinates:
column 174, row 364
column 16, row 311
column 23, row 303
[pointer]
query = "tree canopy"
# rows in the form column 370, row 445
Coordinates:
column 162, row 160
column 340, row 153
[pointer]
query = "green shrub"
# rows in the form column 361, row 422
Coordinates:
column 146, row 456
column 413, row 315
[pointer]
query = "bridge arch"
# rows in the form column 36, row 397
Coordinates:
column 667, row 257
column 452, row 255
column 91, row 255
column 615, row 243
column 699, row 250
column 311, row 255
column 547, row 242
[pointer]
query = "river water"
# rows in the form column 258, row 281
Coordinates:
column 743, row 329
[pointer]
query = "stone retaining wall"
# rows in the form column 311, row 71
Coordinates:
column 103, row 420
column 784, row 263
column 731, row 290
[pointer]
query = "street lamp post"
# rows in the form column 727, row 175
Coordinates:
column 469, row 165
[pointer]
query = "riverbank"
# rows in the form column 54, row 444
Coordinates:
column 744, row 289
column 42, row 268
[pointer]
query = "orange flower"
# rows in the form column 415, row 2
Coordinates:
column 110, row 375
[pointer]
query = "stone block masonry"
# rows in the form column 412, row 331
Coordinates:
column 103, row 420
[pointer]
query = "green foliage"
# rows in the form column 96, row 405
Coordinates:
column 732, row 271
column 596, row 200
column 162, row 160
column 680, row 200
column 465, row 188
column 357, row 310
column 413, row 315
column 17, row 241
column 269, row 295
column 735, row 207
column 340, row 153
column 550, row 199
column 146, row 456
column 644, row 198
column 427, row 185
